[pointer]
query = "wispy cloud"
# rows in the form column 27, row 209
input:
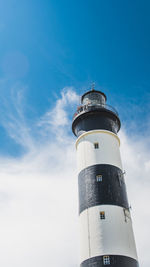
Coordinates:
column 12, row 118
column 38, row 190
column 57, row 120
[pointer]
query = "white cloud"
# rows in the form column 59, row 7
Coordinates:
column 38, row 203
column 38, row 191
column 135, row 157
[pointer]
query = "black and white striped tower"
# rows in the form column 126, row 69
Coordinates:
column 106, row 234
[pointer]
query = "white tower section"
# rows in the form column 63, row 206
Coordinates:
column 107, row 152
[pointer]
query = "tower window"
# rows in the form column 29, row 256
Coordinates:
column 99, row 178
column 96, row 145
column 106, row 260
column 102, row 215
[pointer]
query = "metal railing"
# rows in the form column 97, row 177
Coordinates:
column 83, row 108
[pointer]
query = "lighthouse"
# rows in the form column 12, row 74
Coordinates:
column 106, row 233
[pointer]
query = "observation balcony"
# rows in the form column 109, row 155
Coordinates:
column 91, row 107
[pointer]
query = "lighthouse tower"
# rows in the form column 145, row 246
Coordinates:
column 106, row 234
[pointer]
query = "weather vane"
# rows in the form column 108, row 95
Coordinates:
column 93, row 86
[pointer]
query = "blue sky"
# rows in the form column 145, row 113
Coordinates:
column 48, row 45
column 50, row 52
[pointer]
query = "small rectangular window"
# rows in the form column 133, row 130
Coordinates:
column 99, row 178
column 102, row 215
column 106, row 260
column 96, row 145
